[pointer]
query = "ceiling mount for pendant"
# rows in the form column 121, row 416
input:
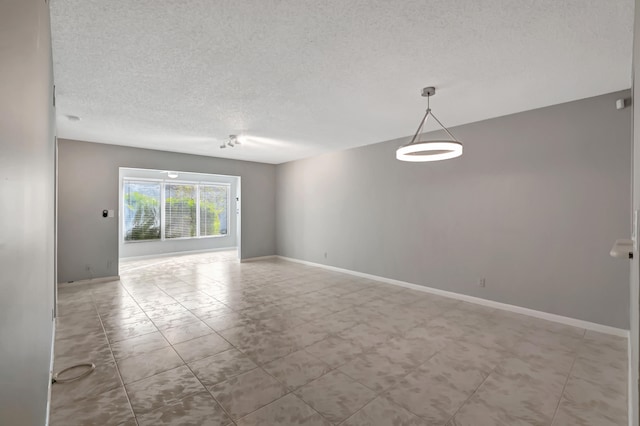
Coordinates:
column 433, row 150
column 231, row 142
column 428, row 91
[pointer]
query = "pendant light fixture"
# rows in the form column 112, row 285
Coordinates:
column 433, row 150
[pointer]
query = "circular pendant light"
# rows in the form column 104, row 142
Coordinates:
column 433, row 150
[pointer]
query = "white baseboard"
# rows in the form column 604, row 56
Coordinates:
column 630, row 405
column 89, row 281
column 477, row 300
column 176, row 253
column 53, row 341
column 255, row 259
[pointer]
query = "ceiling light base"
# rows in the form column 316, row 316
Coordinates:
column 428, row 91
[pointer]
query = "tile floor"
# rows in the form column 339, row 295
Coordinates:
column 204, row 340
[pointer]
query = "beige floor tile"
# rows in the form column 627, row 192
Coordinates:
column 227, row 321
column 211, row 311
column 382, row 412
column 521, row 397
column 138, row 345
column 127, row 331
column 554, row 341
column 118, row 318
column 376, row 372
column 146, row 302
column 440, row 327
column 268, row 348
column 437, row 389
column 603, row 348
column 105, row 409
column 497, row 337
column 585, row 400
column 148, row 364
column 611, row 373
column 202, row 347
column 288, row 410
column 412, row 352
column 199, row 409
column 222, row 366
column 162, row 389
column 174, row 319
column 365, row 336
column 245, row 335
column 297, row 369
column 186, row 332
column 470, row 355
column 335, row 395
column 556, row 358
column 570, row 415
column 247, row 392
column 159, row 312
column 78, row 324
column 334, row 324
column 283, row 322
column 334, row 351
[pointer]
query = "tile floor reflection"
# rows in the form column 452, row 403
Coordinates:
column 204, row 340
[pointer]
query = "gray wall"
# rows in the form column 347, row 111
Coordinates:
column 27, row 188
column 88, row 184
column 160, row 247
column 534, row 206
column 634, row 293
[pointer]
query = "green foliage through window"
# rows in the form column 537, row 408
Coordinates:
column 190, row 210
column 180, row 211
column 141, row 211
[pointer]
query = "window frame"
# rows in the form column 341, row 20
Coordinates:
column 163, row 182
column 198, row 208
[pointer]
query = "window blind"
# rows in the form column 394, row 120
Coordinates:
column 180, row 211
column 213, row 210
column 141, row 210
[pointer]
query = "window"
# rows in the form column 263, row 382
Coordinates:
column 180, row 211
column 213, row 210
column 155, row 210
column 141, row 211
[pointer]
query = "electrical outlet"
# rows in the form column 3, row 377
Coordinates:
column 481, row 282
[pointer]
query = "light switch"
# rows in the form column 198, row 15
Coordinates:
column 111, row 213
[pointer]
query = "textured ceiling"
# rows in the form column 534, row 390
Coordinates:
column 302, row 77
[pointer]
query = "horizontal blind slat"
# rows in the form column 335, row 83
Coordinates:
column 180, row 211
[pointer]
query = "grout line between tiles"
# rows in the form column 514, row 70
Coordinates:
column 135, row 418
column 555, row 412
column 145, row 313
column 470, row 396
